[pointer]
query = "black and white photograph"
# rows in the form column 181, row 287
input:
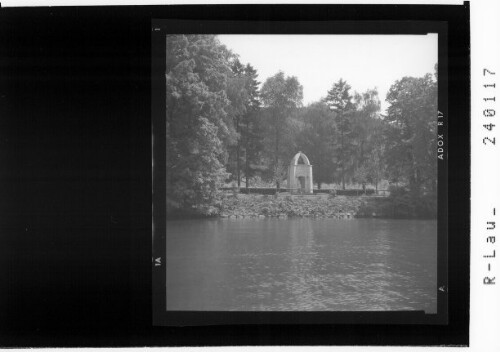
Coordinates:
column 302, row 172
column 232, row 174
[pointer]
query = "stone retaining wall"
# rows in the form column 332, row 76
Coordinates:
column 259, row 206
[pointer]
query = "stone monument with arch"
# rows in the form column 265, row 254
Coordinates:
column 300, row 177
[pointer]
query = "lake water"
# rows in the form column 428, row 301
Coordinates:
column 302, row 265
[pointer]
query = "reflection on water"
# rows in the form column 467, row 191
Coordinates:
column 302, row 265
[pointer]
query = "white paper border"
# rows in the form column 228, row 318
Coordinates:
column 485, row 192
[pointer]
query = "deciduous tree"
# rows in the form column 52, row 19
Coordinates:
column 411, row 133
column 281, row 96
column 339, row 100
column 252, row 129
column 198, row 125
column 315, row 138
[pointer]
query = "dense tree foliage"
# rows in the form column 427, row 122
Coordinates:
column 244, row 156
column 366, row 137
column 411, row 133
column 339, row 100
column 238, row 96
column 281, row 96
column 251, row 128
column 198, row 123
column 316, row 137
column 222, row 128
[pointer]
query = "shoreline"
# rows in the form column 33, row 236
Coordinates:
column 244, row 206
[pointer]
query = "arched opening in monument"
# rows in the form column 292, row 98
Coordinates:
column 302, row 183
column 300, row 176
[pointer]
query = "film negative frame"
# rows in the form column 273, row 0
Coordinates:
column 160, row 28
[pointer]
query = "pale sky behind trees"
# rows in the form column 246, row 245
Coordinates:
column 364, row 61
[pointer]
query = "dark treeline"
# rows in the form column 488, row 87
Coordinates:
column 223, row 129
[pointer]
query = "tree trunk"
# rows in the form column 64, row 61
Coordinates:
column 238, row 153
column 343, row 178
column 415, row 177
column 418, row 182
column 238, row 164
column 246, row 178
column 247, row 163
column 343, row 159
column 360, row 157
column 276, row 165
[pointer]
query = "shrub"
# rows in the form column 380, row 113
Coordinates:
column 261, row 190
column 347, row 192
column 407, row 205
